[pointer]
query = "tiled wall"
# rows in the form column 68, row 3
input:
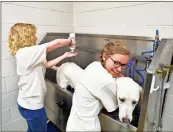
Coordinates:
column 168, row 109
column 124, row 18
column 48, row 17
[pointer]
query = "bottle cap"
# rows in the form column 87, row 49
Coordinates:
column 72, row 35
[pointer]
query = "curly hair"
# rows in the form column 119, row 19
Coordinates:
column 111, row 48
column 21, row 35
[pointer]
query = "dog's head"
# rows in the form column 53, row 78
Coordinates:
column 128, row 95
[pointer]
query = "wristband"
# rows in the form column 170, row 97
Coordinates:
column 70, row 41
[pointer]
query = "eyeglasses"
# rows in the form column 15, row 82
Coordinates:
column 118, row 64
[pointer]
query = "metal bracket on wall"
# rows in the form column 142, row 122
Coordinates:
column 163, row 72
column 168, row 67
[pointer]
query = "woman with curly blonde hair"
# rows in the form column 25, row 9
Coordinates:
column 30, row 59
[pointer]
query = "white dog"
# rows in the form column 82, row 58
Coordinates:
column 128, row 91
column 68, row 74
column 128, row 95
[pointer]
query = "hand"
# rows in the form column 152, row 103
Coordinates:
column 73, row 41
column 70, row 54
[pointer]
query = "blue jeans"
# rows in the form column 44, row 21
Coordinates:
column 36, row 119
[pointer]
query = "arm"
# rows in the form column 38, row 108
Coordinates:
column 30, row 57
column 58, row 43
column 55, row 68
column 55, row 61
column 108, row 97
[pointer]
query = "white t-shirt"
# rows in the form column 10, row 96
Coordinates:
column 97, row 89
column 32, row 87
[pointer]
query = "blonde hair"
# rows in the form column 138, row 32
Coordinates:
column 111, row 48
column 21, row 35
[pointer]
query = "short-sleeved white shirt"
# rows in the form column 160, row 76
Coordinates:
column 32, row 87
column 95, row 90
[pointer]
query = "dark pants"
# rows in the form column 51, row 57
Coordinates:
column 36, row 119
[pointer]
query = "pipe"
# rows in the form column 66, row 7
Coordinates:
column 155, row 45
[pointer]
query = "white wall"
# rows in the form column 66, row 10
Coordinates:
column 124, row 18
column 48, row 17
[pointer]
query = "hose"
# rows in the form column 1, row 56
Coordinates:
column 131, row 71
column 147, row 52
column 131, row 65
column 142, row 77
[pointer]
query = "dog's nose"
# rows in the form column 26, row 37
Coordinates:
column 126, row 120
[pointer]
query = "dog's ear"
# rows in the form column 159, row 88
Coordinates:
column 141, row 95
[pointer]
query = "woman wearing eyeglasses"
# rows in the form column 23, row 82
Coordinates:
column 114, row 58
column 97, row 88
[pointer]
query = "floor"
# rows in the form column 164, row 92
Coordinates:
column 50, row 128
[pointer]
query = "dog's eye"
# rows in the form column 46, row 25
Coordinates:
column 134, row 102
column 122, row 99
